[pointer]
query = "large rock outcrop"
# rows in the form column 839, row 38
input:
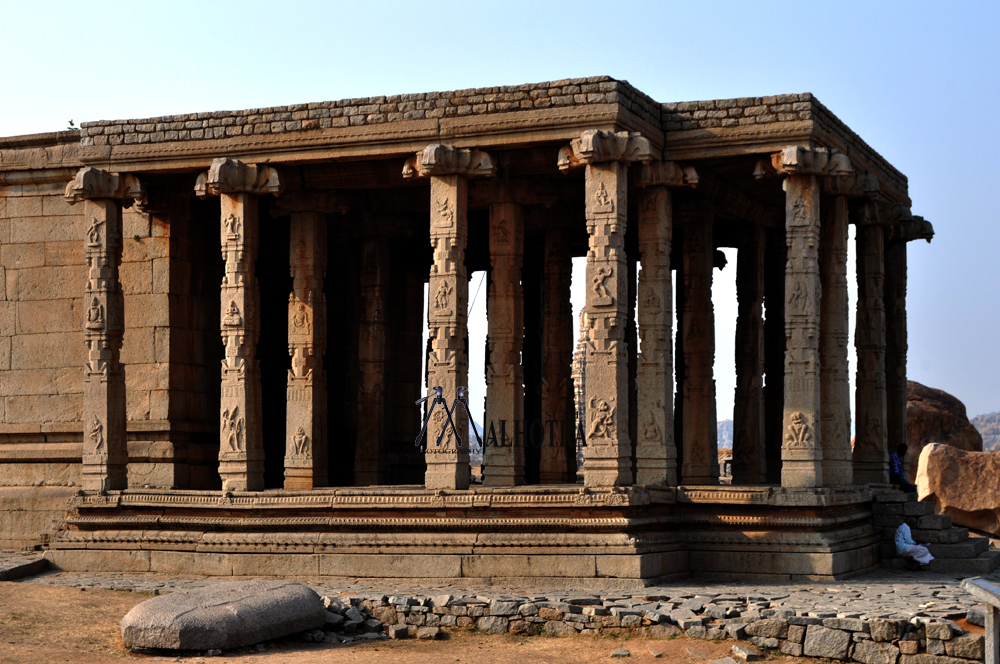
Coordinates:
column 962, row 484
column 934, row 416
column 988, row 426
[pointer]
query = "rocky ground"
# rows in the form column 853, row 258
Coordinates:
column 59, row 616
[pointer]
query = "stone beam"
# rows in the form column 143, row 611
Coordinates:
column 105, row 447
column 241, row 445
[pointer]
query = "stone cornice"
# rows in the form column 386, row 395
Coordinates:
column 90, row 183
column 596, row 146
column 441, row 159
column 799, row 160
column 229, row 176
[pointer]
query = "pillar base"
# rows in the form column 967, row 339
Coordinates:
column 447, row 476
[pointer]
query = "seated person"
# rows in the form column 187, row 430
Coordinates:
column 907, row 548
column 897, row 472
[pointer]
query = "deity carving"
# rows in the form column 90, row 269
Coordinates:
column 300, row 442
column 95, row 315
column 800, row 212
column 233, row 317
column 600, row 288
column 446, row 212
column 233, row 227
column 300, row 319
column 442, row 298
column 94, row 233
column 602, row 419
column 799, row 433
column 97, row 434
column 651, row 303
column 232, row 427
column 500, row 234
column 603, row 199
column 650, row 430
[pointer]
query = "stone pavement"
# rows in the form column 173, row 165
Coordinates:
column 879, row 594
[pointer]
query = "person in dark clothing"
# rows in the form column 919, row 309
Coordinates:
column 897, row 474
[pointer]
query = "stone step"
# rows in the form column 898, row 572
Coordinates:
column 954, row 535
column 917, row 508
column 984, row 563
column 20, row 567
column 972, row 547
column 934, row 522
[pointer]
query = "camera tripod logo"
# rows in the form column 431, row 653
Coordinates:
column 461, row 394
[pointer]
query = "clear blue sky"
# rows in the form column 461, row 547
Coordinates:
column 917, row 80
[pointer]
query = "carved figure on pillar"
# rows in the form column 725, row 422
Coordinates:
column 606, row 157
column 105, row 450
column 503, row 456
column 802, row 446
column 241, row 465
column 448, row 169
column 306, row 398
column 557, row 454
column 655, row 451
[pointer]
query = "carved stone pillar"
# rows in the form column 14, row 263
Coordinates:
column 105, row 449
column 608, row 453
column 241, row 447
column 306, row 401
column 835, row 390
column 656, row 453
column 749, row 455
column 895, row 341
column 557, row 349
column 447, row 313
column 503, row 462
column 699, row 425
column 871, row 456
column 802, row 450
column 371, row 459
column 774, row 349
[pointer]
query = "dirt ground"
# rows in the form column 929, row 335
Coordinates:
column 40, row 624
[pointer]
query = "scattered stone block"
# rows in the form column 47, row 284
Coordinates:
column 428, row 633
column 825, row 642
column 969, row 646
column 398, row 632
column 621, row 652
column 559, row 628
column 770, row 627
column 493, row 624
column 744, row 653
column 870, row 652
column 909, row 647
column 665, row 631
column 791, row 648
column 939, row 630
column 935, row 647
column 223, row 616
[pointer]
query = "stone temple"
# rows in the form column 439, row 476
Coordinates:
column 211, row 338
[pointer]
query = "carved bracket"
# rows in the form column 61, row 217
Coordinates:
column 439, row 159
column 91, row 182
column 595, row 145
column 667, row 174
column 229, row 176
column 799, row 160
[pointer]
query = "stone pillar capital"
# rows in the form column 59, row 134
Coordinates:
column 90, row 183
column 595, row 146
column 440, row 159
column 229, row 176
column 326, row 202
column 914, row 228
column 800, row 160
column 666, row 174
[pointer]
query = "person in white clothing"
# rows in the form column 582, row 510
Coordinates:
column 907, row 548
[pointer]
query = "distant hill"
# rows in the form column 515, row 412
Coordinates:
column 725, row 434
column 989, row 427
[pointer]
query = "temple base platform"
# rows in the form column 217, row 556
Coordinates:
column 544, row 536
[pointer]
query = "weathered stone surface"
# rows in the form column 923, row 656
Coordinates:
column 226, row 615
column 962, row 484
column 969, row 646
column 870, row 652
column 559, row 628
column 769, row 627
column 826, row 642
column 934, row 416
column 492, row 624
